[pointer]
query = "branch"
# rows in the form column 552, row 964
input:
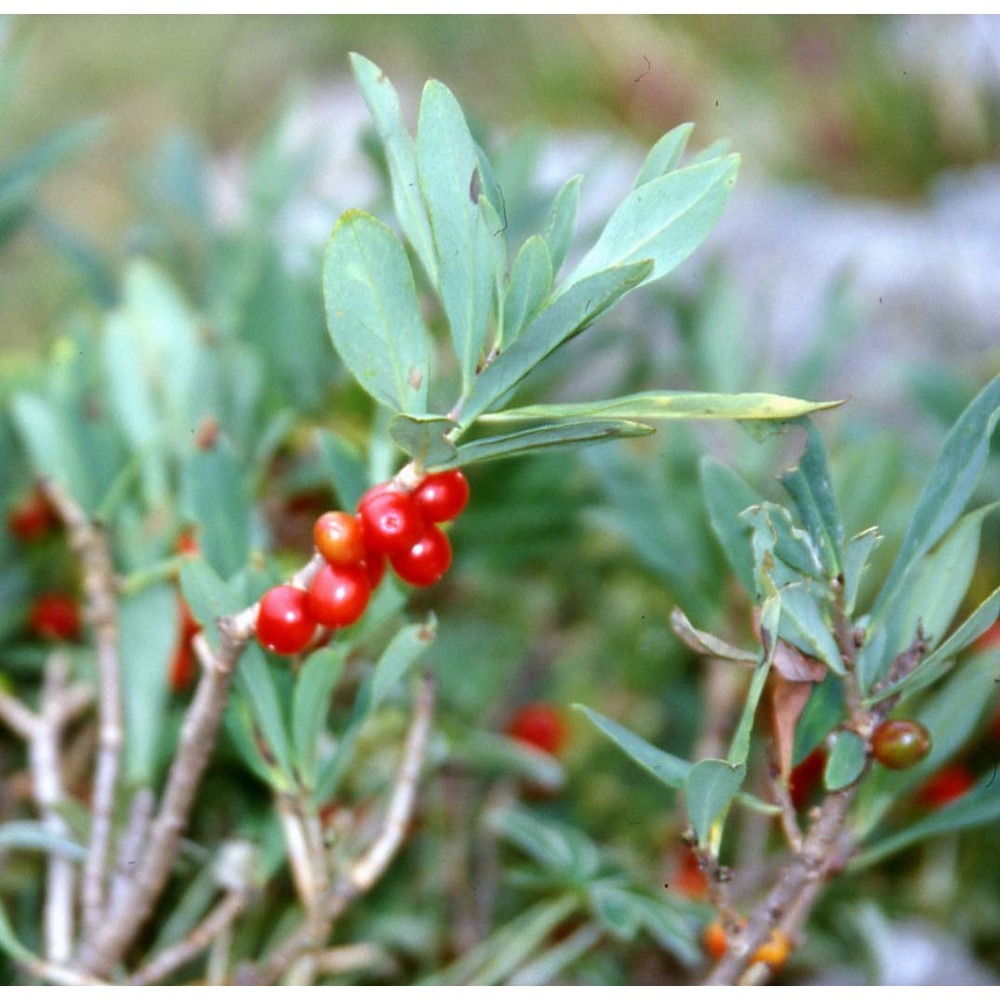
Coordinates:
column 367, row 869
column 91, row 547
column 105, row 948
column 171, row 959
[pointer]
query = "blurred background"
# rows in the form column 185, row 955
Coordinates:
column 859, row 259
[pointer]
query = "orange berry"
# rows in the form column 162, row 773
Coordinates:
column 714, row 941
column 775, row 951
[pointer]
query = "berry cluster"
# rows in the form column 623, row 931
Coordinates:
column 390, row 525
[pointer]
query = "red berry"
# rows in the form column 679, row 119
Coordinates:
column 32, row 518
column 688, row 878
column 392, row 522
column 541, row 726
column 443, row 495
column 377, row 490
column 339, row 538
column 900, row 743
column 187, row 543
column 182, row 666
column 989, row 639
column 714, row 940
column 374, row 565
column 426, row 561
column 805, row 777
column 339, row 595
column 284, row 622
column 948, row 784
column 55, row 617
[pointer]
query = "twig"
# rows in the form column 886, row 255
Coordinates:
column 368, row 868
column 103, row 949
column 171, row 959
column 90, row 545
column 305, row 852
column 130, row 846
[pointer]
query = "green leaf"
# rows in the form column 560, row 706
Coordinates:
column 824, row 710
column 810, row 487
column 373, row 314
column 615, row 908
column 214, row 496
column 569, row 314
column 776, row 535
column 498, row 956
column 207, row 595
column 665, row 767
column 856, row 555
column 407, row 200
column 530, row 282
column 727, row 495
column 846, row 760
column 404, row 651
column 53, row 448
column 927, row 598
column 28, row 835
column 802, row 624
column 450, row 179
column 147, row 636
column 544, row 968
column 561, row 223
column 132, row 402
column 664, row 220
column 239, row 725
column 670, row 406
column 711, row 787
column 424, row 438
column 556, row 847
column 666, row 154
column 493, row 753
column 770, row 618
column 344, row 465
column 938, row 663
column 310, row 703
column 673, row 931
column 977, row 807
column 567, row 434
column 257, row 686
column 949, row 487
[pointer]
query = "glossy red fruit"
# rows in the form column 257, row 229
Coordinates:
column 377, row 490
column 805, row 777
column 443, row 495
column 375, row 563
column 900, row 743
column 56, row 617
column 944, row 787
column 541, row 726
column 284, row 623
column 426, row 561
column 688, row 879
column 339, row 595
column 182, row 665
column 32, row 517
column 391, row 522
column 339, row 538
column 989, row 639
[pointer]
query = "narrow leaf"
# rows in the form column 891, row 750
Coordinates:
column 856, row 555
column 450, row 179
column 561, row 223
column 568, row 434
column 770, row 618
column 811, row 489
column 666, row 768
column 666, row 154
column 569, row 314
column 257, row 686
column 672, row 406
column 310, row 703
column 664, row 220
column 207, row 595
column 21, row 835
column 407, row 200
column 727, row 495
column 530, row 282
column 373, row 314
column 949, row 487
